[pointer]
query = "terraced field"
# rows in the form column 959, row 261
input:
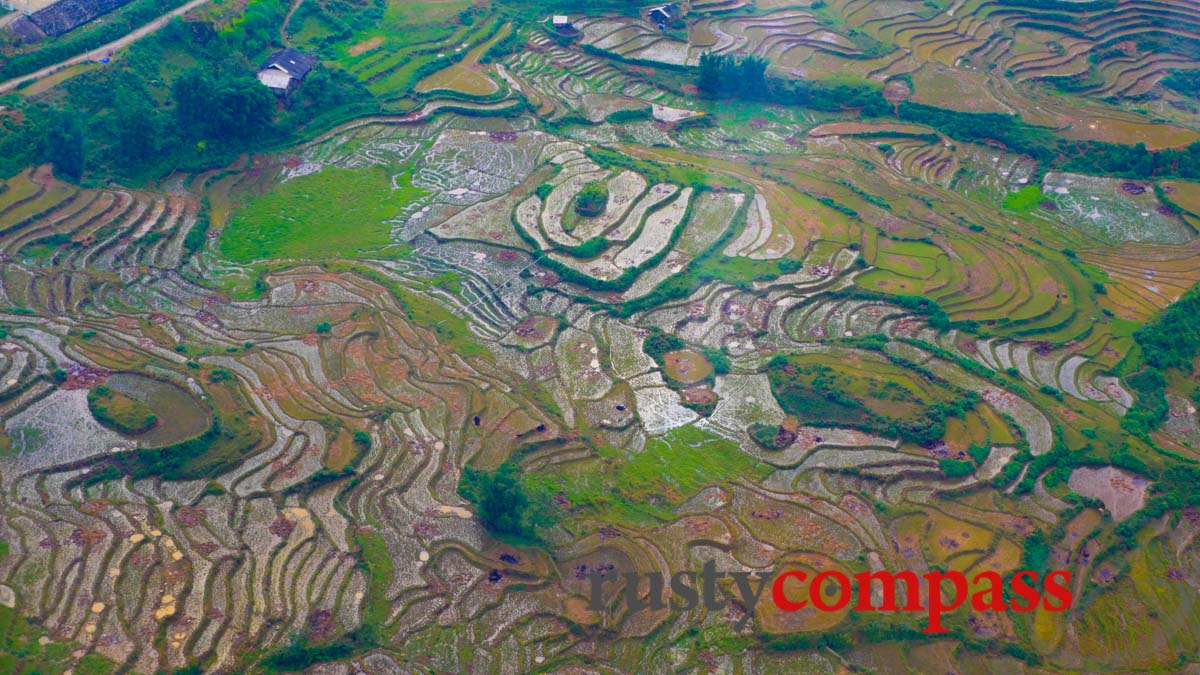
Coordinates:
column 381, row 400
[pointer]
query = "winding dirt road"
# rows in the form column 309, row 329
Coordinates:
column 124, row 41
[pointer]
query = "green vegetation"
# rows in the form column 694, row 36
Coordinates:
column 499, row 497
column 1186, row 82
column 771, row 436
column 642, row 488
column 1172, row 338
column 332, row 213
column 86, row 38
column 883, row 400
column 184, row 97
column 381, row 569
column 22, row 651
column 1024, row 200
column 956, row 468
column 230, row 439
column 592, row 199
column 120, row 412
column 725, row 75
column 889, row 191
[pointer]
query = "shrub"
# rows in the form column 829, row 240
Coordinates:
column 956, row 468
column 592, row 199
column 771, row 436
column 719, row 360
column 500, row 499
column 120, row 412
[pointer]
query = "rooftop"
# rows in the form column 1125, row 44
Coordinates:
column 291, row 62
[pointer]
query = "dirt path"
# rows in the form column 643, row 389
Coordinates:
column 113, row 46
column 284, row 36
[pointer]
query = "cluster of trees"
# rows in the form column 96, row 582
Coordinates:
column 1172, row 339
column 658, row 343
column 1150, row 406
column 225, row 105
column 134, row 118
column 592, row 199
column 500, row 500
column 956, row 468
column 725, row 75
column 1186, row 82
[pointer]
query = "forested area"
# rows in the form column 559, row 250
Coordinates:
column 184, row 98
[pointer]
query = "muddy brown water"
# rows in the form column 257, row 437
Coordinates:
column 180, row 415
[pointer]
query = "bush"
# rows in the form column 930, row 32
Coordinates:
column 771, row 436
column 719, row 360
column 659, row 343
column 592, row 199
column 500, row 500
column 956, row 468
column 120, row 412
column 590, row 248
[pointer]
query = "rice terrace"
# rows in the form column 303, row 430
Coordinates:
column 367, row 336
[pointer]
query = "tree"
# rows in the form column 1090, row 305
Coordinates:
column 500, row 499
column 726, row 75
column 139, row 132
column 65, row 144
column 221, row 107
column 592, row 199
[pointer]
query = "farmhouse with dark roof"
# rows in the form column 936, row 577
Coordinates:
column 664, row 14
column 285, row 70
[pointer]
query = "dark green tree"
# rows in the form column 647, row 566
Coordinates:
column 65, row 144
column 139, row 133
column 500, row 499
column 723, row 75
column 592, row 199
column 221, row 107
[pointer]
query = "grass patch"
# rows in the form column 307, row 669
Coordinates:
column 1024, row 200
column 226, row 443
column 120, row 412
column 867, row 394
column 332, row 213
column 644, row 488
column 380, row 570
column 22, row 652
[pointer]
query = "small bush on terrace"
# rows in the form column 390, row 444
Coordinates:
column 592, row 199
